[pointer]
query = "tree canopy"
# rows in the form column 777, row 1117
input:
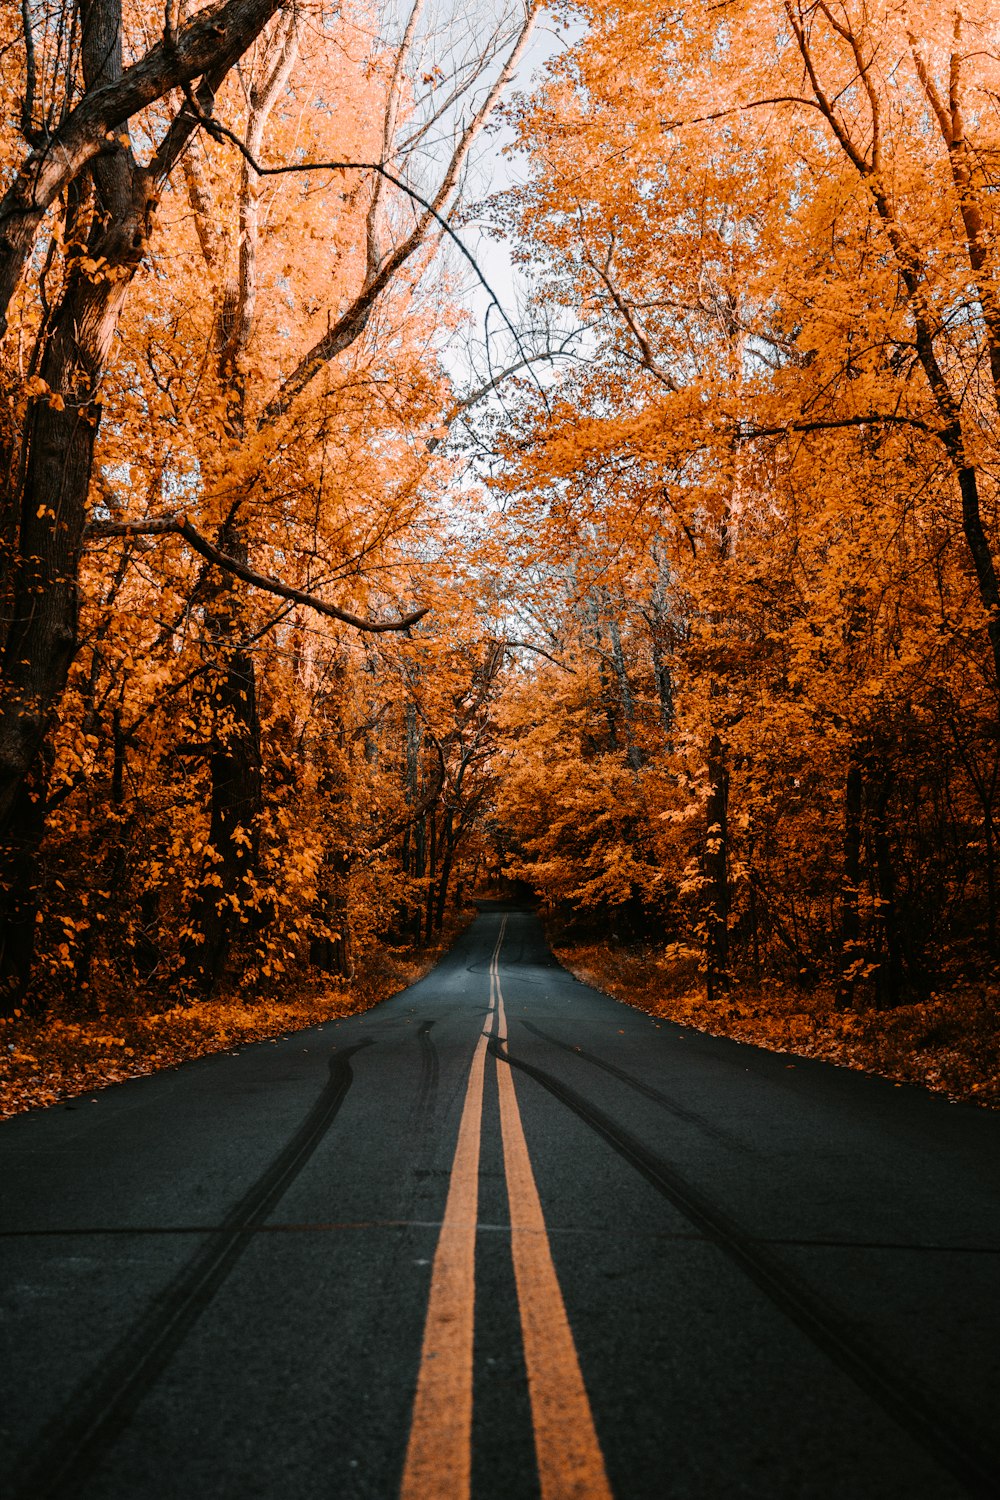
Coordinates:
column 686, row 614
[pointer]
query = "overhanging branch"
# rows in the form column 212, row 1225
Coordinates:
column 538, row 651
column 360, row 308
column 831, row 424
column 178, row 525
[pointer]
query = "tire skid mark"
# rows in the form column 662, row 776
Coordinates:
column 689, row 1116
column 70, row 1449
column 917, row 1412
column 429, row 1072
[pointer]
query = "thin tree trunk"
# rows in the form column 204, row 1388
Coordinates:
column 754, row 912
column 448, row 853
column 991, row 882
column 716, row 870
column 889, row 981
column 431, row 875
column 850, row 884
column 625, row 696
column 658, row 619
column 225, row 900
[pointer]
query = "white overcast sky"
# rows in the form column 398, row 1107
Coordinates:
column 495, row 168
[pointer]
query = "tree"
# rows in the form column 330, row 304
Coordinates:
column 775, row 225
column 239, row 446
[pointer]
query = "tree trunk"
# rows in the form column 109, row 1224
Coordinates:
column 413, row 848
column 431, row 875
column 625, row 696
column 20, row 894
column 419, row 861
column 448, row 842
column 41, row 642
column 716, row 871
column 661, row 634
column 850, row 883
column 48, row 488
column 333, row 950
column 225, row 900
column 889, row 979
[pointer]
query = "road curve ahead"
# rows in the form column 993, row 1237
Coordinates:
column 501, row 1237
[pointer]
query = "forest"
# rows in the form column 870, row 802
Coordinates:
column 341, row 583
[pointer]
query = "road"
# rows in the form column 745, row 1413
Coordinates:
column 501, row 1237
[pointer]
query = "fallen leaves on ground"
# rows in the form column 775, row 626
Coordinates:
column 43, row 1061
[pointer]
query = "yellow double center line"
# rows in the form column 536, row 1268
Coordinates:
column 439, row 1453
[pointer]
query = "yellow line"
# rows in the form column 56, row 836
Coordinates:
column 439, row 1453
column 570, row 1462
column 495, row 968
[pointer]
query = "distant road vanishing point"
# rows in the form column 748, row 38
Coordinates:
column 501, row 1237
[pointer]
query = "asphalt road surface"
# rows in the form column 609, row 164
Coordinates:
column 501, row 1237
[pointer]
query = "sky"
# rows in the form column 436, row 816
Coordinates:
column 495, row 167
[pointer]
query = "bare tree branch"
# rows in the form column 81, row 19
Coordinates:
column 179, row 525
column 831, row 424
column 538, row 651
column 206, row 48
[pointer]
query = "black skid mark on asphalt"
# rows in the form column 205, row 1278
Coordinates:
column 72, row 1447
column 429, row 1073
column 689, row 1116
column 919, row 1413
column 544, row 975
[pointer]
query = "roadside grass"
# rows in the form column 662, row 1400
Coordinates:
column 949, row 1043
column 46, row 1059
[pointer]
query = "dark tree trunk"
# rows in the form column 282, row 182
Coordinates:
column 419, row 859
column 982, row 561
column 664, row 685
column 225, row 900
column 889, row 980
column 45, row 479
column 662, row 636
column 333, row 951
column 716, row 870
column 20, row 894
column 47, row 490
column 608, row 703
column 56, row 466
column 625, row 696
column 41, row 642
column 850, row 883
column 431, row 875
column 448, row 842
column 413, row 845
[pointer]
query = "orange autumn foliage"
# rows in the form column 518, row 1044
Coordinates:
column 766, row 500
column 704, row 613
